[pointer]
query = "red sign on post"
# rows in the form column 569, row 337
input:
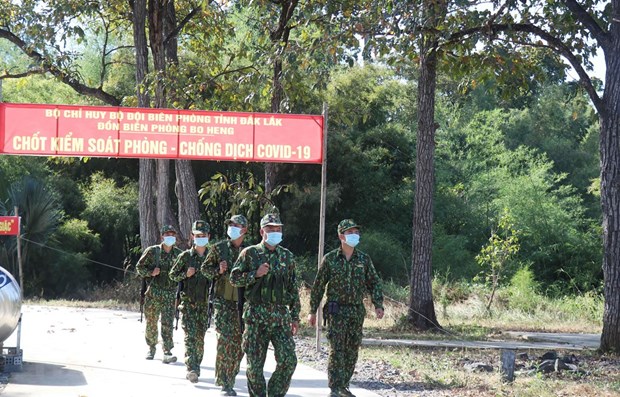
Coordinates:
column 9, row 225
column 89, row 131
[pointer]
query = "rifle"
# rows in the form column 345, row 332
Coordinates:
column 177, row 303
column 240, row 302
column 211, row 298
column 143, row 288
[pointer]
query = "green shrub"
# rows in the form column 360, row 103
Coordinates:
column 523, row 291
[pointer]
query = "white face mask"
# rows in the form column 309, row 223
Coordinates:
column 170, row 240
column 351, row 240
column 201, row 241
column 273, row 238
column 233, row 232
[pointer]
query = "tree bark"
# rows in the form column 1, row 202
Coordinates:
column 189, row 206
column 146, row 200
column 279, row 38
column 421, row 313
column 610, row 196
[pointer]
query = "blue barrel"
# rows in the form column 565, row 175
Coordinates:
column 10, row 304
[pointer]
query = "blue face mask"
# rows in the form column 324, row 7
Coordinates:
column 201, row 241
column 352, row 240
column 170, row 240
column 233, row 232
column 273, row 238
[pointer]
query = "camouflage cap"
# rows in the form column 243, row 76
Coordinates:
column 238, row 219
column 347, row 224
column 199, row 227
column 271, row 220
column 167, row 228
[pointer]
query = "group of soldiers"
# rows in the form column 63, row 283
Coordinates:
column 254, row 292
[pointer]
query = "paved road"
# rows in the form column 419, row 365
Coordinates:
column 73, row 352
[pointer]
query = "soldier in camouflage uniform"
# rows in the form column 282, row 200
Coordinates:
column 154, row 266
column 194, row 302
column 348, row 274
column 271, row 310
column 217, row 267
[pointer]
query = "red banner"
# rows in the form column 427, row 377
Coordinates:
column 89, row 131
column 9, row 225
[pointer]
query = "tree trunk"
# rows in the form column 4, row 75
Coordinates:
column 279, row 38
column 149, row 234
column 610, row 198
column 421, row 312
column 164, row 205
column 146, row 202
column 189, row 207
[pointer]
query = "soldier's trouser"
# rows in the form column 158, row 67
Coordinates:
column 229, row 351
column 256, row 339
column 345, row 337
column 195, row 326
column 154, row 306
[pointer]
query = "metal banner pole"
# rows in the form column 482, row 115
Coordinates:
column 19, row 255
column 319, row 314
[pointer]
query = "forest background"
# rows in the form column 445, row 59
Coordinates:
column 516, row 171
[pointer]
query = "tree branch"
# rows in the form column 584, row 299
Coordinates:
column 601, row 37
column 554, row 43
column 182, row 24
column 21, row 75
column 561, row 48
column 61, row 75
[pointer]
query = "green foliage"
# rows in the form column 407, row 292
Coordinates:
column 40, row 217
column 239, row 194
column 74, row 244
column 522, row 290
column 111, row 212
column 493, row 257
column 388, row 255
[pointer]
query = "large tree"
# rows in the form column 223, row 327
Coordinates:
column 574, row 31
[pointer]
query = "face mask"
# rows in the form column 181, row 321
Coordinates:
column 273, row 238
column 201, row 241
column 233, row 232
column 351, row 240
column 170, row 240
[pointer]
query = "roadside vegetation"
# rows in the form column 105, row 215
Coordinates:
column 421, row 371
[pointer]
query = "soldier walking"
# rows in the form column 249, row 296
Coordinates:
column 348, row 274
column 194, row 305
column 217, row 267
column 271, row 311
column 154, row 266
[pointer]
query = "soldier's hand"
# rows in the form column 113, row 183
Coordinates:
column 294, row 327
column 379, row 312
column 312, row 319
column 155, row 272
column 190, row 272
column 262, row 270
column 223, row 267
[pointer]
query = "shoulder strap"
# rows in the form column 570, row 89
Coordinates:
column 157, row 255
column 224, row 251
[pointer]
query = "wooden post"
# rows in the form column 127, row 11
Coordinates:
column 507, row 371
column 19, row 255
column 319, row 314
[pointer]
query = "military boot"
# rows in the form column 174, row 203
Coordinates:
column 151, row 354
column 345, row 392
column 228, row 391
column 192, row 376
column 169, row 358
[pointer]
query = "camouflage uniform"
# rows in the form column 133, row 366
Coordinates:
column 194, row 306
column 229, row 351
column 271, row 305
column 159, row 297
column 346, row 282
